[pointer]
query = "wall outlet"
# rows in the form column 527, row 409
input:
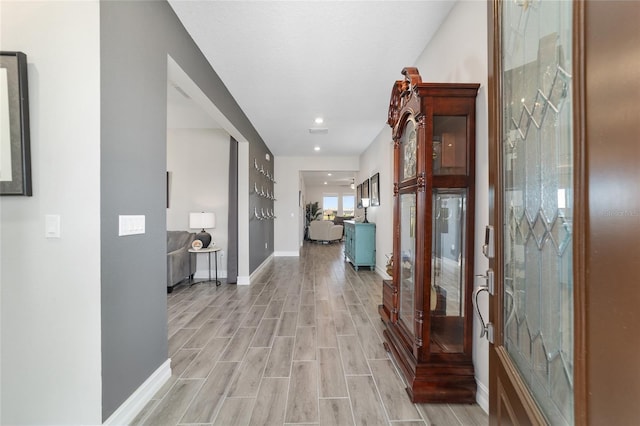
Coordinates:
column 266, row 245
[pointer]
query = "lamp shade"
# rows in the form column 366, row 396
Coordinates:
column 366, row 202
column 202, row 220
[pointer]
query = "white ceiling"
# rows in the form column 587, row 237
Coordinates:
column 332, row 178
column 288, row 62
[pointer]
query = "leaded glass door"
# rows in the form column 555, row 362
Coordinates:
column 532, row 358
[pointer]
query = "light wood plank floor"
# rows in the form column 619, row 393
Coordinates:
column 302, row 345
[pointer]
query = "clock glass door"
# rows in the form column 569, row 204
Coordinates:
column 406, row 309
column 449, row 145
column 448, row 270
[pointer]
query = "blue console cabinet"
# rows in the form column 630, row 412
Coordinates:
column 360, row 244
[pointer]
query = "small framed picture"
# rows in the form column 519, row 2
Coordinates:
column 15, row 141
column 375, row 189
column 359, row 196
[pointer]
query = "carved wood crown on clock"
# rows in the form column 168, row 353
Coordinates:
column 401, row 94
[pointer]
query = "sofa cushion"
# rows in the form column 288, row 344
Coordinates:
column 339, row 220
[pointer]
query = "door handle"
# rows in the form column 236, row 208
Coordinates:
column 487, row 327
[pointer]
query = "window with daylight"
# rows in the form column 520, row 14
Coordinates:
column 329, row 206
column 348, row 205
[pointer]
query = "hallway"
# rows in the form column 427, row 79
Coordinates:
column 302, row 345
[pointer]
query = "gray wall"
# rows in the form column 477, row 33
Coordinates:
column 136, row 38
column 260, row 231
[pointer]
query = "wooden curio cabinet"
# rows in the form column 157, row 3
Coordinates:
column 427, row 308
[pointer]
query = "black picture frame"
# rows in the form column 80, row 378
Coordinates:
column 15, row 144
column 375, row 189
column 365, row 189
column 359, row 196
column 168, row 188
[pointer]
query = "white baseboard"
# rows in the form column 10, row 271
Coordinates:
column 382, row 272
column 244, row 280
column 259, row 269
column 482, row 396
column 141, row 396
column 286, row 254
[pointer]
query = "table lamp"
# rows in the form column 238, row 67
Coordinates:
column 202, row 221
column 366, row 202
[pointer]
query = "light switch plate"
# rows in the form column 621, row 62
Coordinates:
column 52, row 226
column 131, row 225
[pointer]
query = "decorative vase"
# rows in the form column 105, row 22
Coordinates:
column 205, row 237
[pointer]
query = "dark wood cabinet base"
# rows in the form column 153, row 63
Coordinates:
column 435, row 382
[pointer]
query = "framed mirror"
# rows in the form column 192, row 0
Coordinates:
column 15, row 152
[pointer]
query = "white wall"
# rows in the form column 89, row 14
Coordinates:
column 198, row 160
column 289, row 213
column 378, row 158
column 243, row 214
column 50, row 288
column 457, row 53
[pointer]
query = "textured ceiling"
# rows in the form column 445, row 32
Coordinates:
column 288, row 62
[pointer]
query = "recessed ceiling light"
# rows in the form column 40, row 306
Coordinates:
column 319, row 120
column 325, row 183
column 328, row 174
column 317, row 148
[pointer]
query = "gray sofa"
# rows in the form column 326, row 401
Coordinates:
column 178, row 266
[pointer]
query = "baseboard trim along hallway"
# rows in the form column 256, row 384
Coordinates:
column 139, row 399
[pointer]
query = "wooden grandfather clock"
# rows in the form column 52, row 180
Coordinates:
column 427, row 308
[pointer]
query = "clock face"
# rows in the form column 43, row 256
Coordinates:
column 409, row 148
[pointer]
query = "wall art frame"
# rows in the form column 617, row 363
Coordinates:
column 15, row 137
column 375, row 189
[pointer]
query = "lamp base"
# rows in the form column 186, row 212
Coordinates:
column 205, row 237
column 365, row 216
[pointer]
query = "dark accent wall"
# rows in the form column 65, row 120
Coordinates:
column 260, row 231
column 135, row 39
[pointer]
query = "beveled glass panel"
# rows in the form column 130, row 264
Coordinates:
column 448, row 264
column 409, row 150
column 538, row 201
column 406, row 311
column 450, row 145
